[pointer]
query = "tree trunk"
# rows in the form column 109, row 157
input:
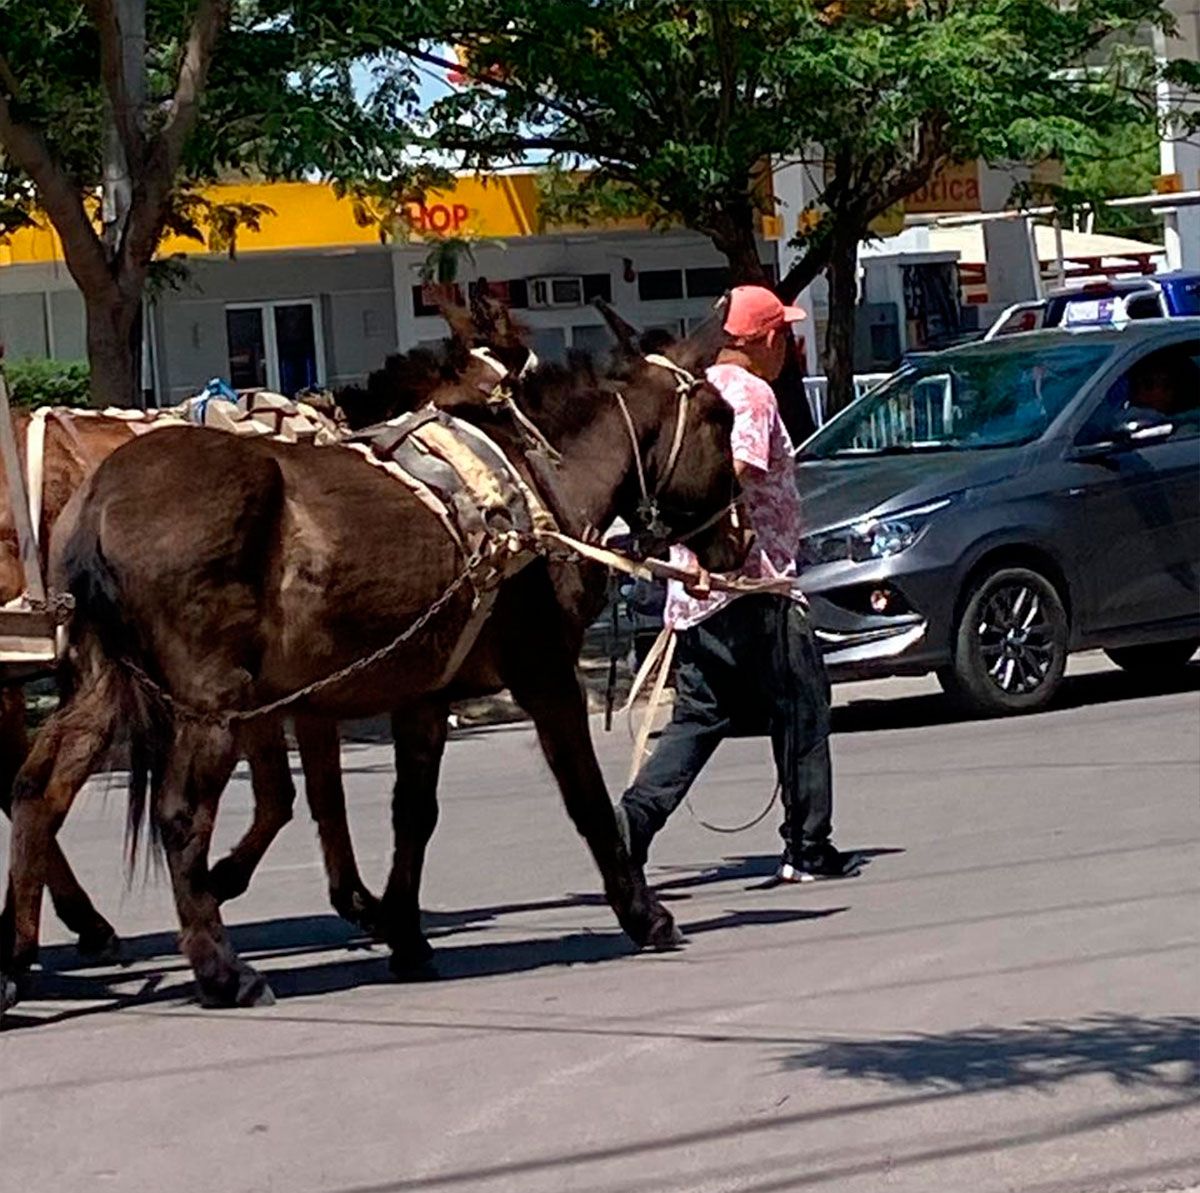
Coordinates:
column 734, row 238
column 842, row 275
column 113, row 345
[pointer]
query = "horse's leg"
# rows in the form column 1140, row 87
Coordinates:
column 200, row 762
column 419, row 733
column 66, row 751
column 320, row 755
column 265, row 748
column 542, row 679
column 96, row 937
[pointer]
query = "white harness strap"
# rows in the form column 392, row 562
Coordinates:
column 35, row 467
column 684, row 384
column 485, row 355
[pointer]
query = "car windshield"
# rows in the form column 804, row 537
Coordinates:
column 973, row 400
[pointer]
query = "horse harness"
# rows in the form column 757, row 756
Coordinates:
column 496, row 518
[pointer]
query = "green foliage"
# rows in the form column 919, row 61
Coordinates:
column 280, row 102
column 47, row 382
column 676, row 104
column 1125, row 161
column 445, row 258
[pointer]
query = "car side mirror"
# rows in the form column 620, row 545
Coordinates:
column 1137, row 430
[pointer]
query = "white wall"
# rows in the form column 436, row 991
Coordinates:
column 364, row 296
column 1182, row 231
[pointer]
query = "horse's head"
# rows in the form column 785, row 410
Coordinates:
column 485, row 345
column 685, row 487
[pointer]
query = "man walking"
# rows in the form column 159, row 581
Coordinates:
column 749, row 663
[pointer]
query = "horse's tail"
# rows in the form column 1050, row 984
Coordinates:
column 102, row 638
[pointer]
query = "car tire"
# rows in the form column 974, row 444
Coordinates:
column 1154, row 659
column 1010, row 644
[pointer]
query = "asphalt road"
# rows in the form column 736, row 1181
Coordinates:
column 1007, row 999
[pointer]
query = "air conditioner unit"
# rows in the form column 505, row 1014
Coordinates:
column 550, row 292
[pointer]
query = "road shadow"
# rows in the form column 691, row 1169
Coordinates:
column 1077, row 691
column 155, row 973
column 1162, row 1052
column 759, row 869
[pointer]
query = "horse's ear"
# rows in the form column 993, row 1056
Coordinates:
column 462, row 326
column 696, row 351
column 626, row 334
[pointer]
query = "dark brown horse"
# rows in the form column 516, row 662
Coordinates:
column 300, row 560
column 74, row 445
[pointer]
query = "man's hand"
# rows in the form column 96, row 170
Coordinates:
column 699, row 585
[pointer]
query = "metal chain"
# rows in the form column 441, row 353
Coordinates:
column 188, row 712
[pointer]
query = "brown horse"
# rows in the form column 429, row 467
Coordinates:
column 74, row 444
column 73, row 448
column 301, row 560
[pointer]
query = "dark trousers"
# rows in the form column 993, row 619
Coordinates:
column 749, row 669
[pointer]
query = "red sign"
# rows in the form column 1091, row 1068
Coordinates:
column 956, row 188
column 436, row 218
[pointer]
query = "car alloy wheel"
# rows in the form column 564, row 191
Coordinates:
column 1011, row 643
column 1016, row 639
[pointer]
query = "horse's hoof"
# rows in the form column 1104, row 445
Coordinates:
column 241, row 987
column 665, row 936
column 10, row 994
column 227, row 880
column 413, row 962
column 653, row 928
column 101, row 946
column 253, row 990
column 360, row 908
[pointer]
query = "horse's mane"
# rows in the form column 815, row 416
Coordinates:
column 559, row 397
column 403, row 383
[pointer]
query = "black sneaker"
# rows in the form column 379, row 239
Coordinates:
column 822, row 861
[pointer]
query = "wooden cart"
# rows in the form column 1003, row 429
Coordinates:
column 28, row 627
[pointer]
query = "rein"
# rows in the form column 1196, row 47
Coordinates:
column 501, row 395
column 685, row 383
column 539, row 541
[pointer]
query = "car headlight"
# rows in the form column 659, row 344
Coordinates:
column 873, row 538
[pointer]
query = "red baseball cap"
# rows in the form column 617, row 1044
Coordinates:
column 754, row 311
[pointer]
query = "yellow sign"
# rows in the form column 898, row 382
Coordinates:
column 1168, row 184
column 955, row 188
column 309, row 215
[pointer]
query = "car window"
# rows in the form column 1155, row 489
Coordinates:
column 1165, row 383
column 1144, row 306
column 955, row 402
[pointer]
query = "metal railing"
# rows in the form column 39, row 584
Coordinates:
column 816, row 388
column 924, row 411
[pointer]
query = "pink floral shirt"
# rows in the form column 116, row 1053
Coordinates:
column 770, row 501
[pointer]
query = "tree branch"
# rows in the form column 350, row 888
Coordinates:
column 152, row 191
column 488, row 81
column 112, row 72
column 57, row 194
column 207, row 24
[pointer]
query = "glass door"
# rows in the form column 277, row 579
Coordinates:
column 275, row 345
column 247, row 348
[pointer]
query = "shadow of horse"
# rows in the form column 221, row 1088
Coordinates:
column 158, row 975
